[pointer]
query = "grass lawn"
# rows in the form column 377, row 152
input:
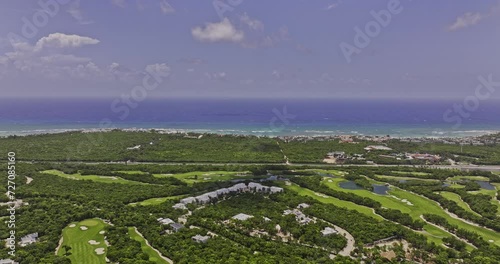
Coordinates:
column 321, row 171
column 412, row 173
column 133, row 172
column 159, row 200
column 332, row 200
column 153, row 255
column 420, row 205
column 398, row 178
column 432, row 233
column 96, row 178
column 456, row 186
column 470, row 178
column 207, row 176
column 82, row 252
column 456, row 198
column 491, row 193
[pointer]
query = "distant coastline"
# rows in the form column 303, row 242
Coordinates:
column 310, row 134
column 259, row 117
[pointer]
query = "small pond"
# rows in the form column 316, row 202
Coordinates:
column 349, row 185
column 486, row 185
column 380, row 189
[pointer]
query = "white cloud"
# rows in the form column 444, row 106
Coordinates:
column 3, row 60
column 333, row 5
column 218, row 76
column 86, row 71
column 472, row 18
column 218, row 32
column 36, row 61
column 364, row 81
column 193, row 61
column 120, row 3
column 64, row 59
column 158, row 69
column 75, row 11
column 166, row 8
column 277, row 75
column 466, row 20
column 60, row 40
column 268, row 40
column 122, row 73
column 253, row 24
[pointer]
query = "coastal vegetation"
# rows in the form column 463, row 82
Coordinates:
column 419, row 214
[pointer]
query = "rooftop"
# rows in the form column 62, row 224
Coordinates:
column 242, row 217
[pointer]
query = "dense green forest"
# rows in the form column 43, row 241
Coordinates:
column 56, row 193
column 157, row 147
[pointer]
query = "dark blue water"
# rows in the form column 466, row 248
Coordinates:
column 252, row 116
column 486, row 185
column 380, row 189
column 350, row 185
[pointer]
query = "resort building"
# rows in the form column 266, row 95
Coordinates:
column 238, row 188
column 242, row 217
column 8, row 261
column 179, row 206
column 328, row 231
column 165, row 221
column 188, row 200
column 28, row 239
column 176, row 227
column 200, row 239
column 377, row 147
column 299, row 216
column 303, row 205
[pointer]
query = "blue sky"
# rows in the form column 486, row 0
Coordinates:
column 243, row 48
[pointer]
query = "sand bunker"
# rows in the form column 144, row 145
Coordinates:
column 99, row 251
column 83, row 228
column 72, row 225
column 93, row 242
column 102, row 232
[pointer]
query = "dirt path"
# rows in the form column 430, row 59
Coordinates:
column 346, row 251
column 60, row 244
column 287, row 162
column 156, row 250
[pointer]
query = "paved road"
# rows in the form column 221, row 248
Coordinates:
column 457, row 167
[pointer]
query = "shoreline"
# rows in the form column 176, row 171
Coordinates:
column 268, row 134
